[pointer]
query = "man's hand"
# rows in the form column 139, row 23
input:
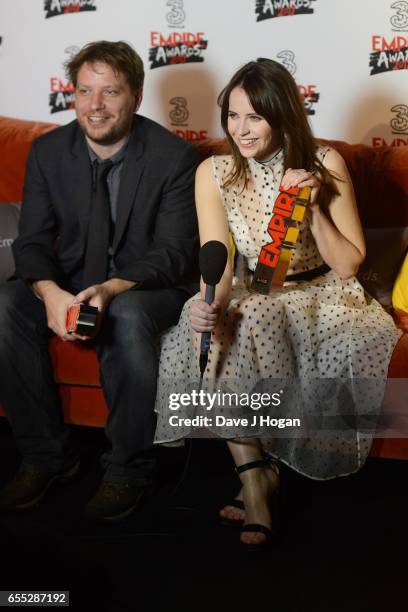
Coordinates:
column 56, row 302
column 100, row 296
column 96, row 295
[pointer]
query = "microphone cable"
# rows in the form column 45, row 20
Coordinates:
column 213, row 258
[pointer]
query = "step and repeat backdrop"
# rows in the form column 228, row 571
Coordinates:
column 348, row 57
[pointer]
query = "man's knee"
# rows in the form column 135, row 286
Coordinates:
column 127, row 318
column 9, row 304
column 20, row 311
column 8, row 300
column 127, row 342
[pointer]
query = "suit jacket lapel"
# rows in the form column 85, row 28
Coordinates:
column 82, row 182
column 129, row 181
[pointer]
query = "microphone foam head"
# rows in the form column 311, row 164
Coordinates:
column 213, row 258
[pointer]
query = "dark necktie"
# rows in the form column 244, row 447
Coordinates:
column 99, row 230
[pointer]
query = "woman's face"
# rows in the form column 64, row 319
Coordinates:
column 251, row 133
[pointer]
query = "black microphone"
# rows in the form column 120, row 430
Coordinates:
column 213, row 258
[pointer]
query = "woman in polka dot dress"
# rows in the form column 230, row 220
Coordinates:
column 320, row 339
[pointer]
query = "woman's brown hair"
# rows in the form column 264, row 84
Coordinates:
column 274, row 96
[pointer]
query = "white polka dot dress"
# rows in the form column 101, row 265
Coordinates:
column 323, row 346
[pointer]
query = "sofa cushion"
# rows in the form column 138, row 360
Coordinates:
column 380, row 180
column 16, row 136
column 74, row 363
column 9, row 216
column 386, row 248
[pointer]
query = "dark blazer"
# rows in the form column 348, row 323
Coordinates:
column 155, row 236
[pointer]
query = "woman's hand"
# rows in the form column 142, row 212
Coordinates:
column 301, row 178
column 203, row 316
column 337, row 230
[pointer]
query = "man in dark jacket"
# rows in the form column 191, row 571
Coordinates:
column 108, row 219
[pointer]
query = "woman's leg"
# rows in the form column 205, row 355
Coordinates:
column 258, row 485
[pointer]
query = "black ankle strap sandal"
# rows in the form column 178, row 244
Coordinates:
column 238, row 503
column 273, row 504
column 265, row 462
column 251, row 465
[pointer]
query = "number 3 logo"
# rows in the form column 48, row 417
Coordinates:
column 177, row 14
column 180, row 112
column 288, row 60
column 400, row 122
column 400, row 20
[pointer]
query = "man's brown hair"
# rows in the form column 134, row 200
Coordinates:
column 120, row 56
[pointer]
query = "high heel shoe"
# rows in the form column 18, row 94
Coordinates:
column 273, row 505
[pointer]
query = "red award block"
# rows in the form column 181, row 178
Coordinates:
column 283, row 228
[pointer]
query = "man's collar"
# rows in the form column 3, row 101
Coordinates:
column 116, row 158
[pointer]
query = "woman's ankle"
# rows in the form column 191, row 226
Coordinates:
column 258, row 487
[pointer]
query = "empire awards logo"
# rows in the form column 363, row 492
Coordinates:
column 53, row 8
column 391, row 53
column 268, row 9
column 179, row 115
column 62, row 94
column 388, row 55
column 176, row 47
column 399, row 127
column 308, row 92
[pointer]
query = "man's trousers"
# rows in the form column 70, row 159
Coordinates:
column 127, row 348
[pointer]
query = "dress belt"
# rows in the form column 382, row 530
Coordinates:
column 309, row 274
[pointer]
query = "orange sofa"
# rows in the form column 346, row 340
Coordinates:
column 380, row 178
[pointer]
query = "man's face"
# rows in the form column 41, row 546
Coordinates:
column 104, row 103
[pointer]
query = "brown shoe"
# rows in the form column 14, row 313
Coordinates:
column 30, row 484
column 114, row 501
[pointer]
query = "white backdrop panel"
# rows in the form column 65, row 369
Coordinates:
column 330, row 47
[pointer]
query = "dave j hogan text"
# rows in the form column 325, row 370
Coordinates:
column 256, row 420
